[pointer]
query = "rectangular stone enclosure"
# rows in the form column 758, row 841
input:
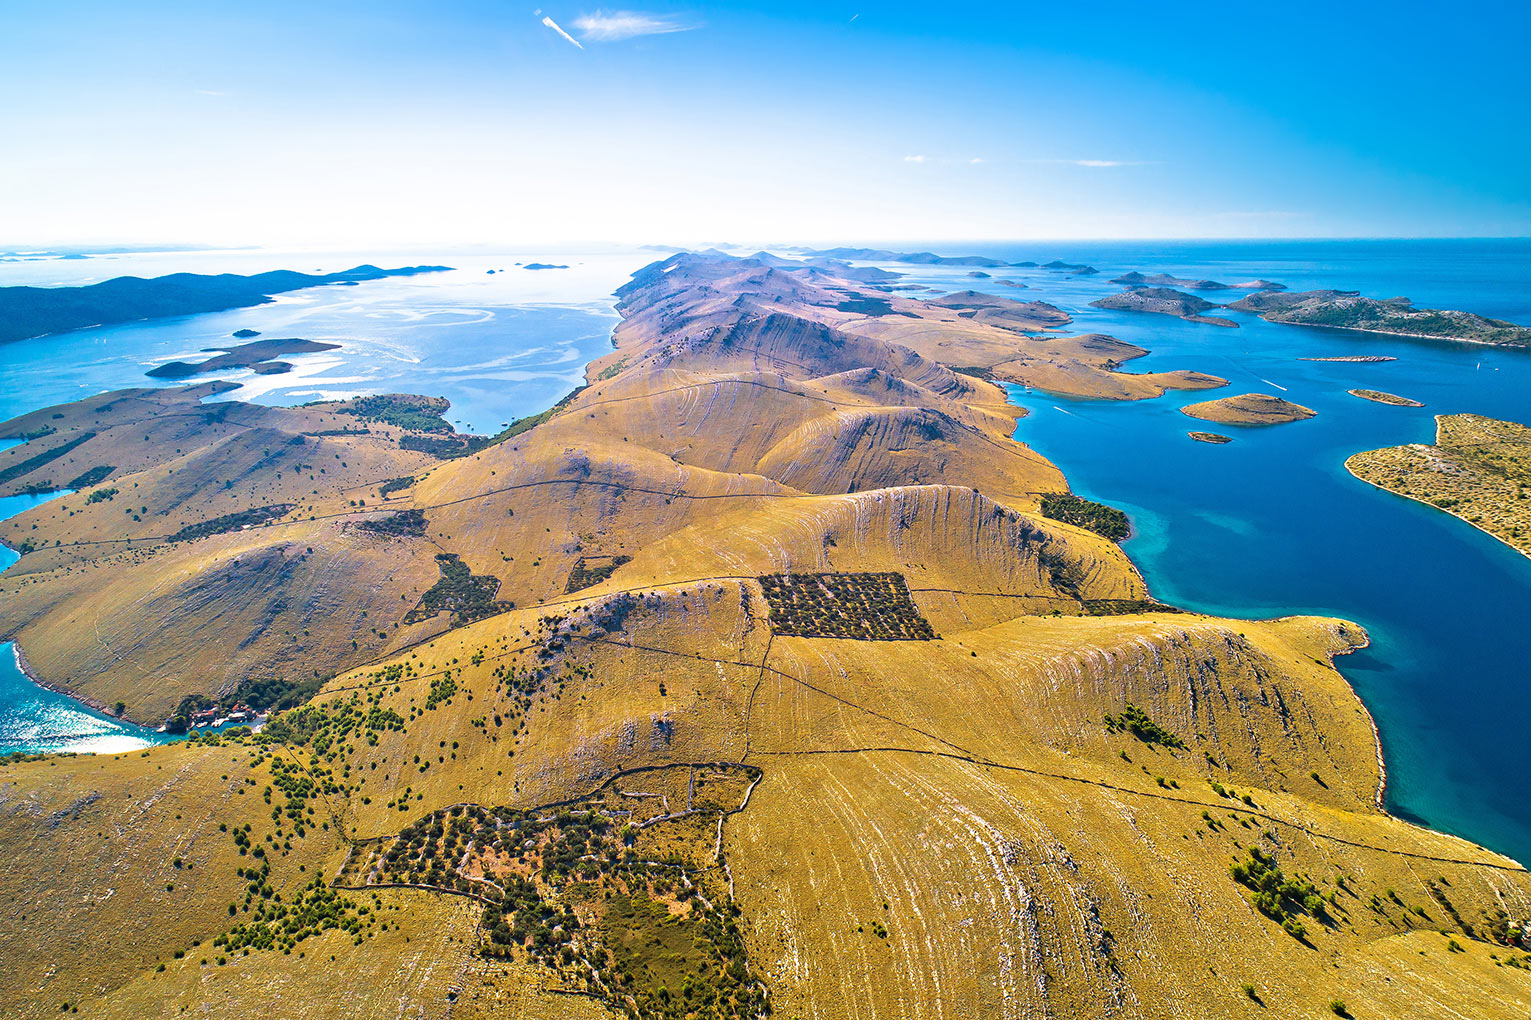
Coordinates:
column 862, row 607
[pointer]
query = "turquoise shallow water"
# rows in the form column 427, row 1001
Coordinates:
column 35, row 719
column 1272, row 524
column 1269, row 525
column 498, row 344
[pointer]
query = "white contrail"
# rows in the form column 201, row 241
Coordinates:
column 549, row 22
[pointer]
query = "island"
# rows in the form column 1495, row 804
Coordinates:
column 1164, row 301
column 1027, row 316
column 1210, row 437
column 919, row 258
column 1378, row 396
column 257, row 355
column 245, row 334
column 1136, row 279
column 1478, row 470
column 1249, row 409
column 1348, row 310
column 542, row 265
column 27, row 312
column 765, row 673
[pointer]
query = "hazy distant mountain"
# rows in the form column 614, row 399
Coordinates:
column 36, row 311
column 918, row 258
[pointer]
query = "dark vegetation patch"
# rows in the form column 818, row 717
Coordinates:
column 863, row 607
column 1125, row 607
column 32, row 463
column 977, row 371
column 1087, row 514
column 445, row 447
column 466, row 595
column 262, row 693
column 417, row 414
column 319, row 727
column 404, row 524
column 587, row 573
column 620, row 893
column 102, row 495
column 1278, row 897
column 91, row 476
column 871, row 306
column 1136, row 721
column 394, row 485
column 233, row 522
column 276, row 925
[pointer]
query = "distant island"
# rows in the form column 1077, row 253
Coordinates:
column 1378, row 396
column 1166, row 280
column 1210, row 437
column 1029, row 316
column 1347, row 309
column 918, row 258
column 1249, row 409
column 1478, row 470
column 1164, row 301
column 257, row 355
column 1075, row 268
column 542, row 265
column 27, row 312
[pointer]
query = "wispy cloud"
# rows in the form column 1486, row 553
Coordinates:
column 614, row 26
column 550, row 23
column 966, row 160
column 1097, row 163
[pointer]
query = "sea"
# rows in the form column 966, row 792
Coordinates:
column 1269, row 525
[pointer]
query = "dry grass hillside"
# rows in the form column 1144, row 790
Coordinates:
column 1478, row 470
column 765, row 673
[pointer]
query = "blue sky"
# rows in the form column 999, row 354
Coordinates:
column 473, row 122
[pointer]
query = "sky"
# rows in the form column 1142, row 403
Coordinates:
column 465, row 122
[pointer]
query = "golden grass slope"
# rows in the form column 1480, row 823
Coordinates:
column 1249, row 409
column 940, row 828
column 1478, row 470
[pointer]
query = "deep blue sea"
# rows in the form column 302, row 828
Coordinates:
column 1269, row 525
column 1273, row 524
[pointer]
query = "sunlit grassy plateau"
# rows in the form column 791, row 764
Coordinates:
column 766, row 673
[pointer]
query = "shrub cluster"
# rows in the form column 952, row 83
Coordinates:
column 862, row 607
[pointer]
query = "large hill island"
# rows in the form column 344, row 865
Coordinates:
column 758, row 671
column 36, row 311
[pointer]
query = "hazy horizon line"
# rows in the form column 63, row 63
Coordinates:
column 13, row 249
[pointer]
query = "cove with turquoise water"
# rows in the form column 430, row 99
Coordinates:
column 1272, row 524
column 33, row 718
column 498, row 340
column 1269, row 525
